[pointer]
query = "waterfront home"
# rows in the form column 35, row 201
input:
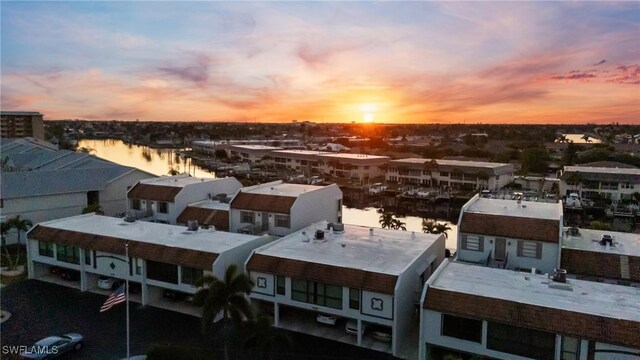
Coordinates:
column 360, row 167
column 165, row 260
column 469, row 310
column 348, row 283
column 163, row 199
column 608, row 256
column 252, row 154
column 457, row 174
column 279, row 208
column 510, row 234
column 608, row 182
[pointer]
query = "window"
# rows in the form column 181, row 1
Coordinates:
column 135, row 204
column 339, row 205
column 462, row 328
column 354, row 299
column 570, row 348
column 444, row 174
column 163, row 208
column 283, row 221
column 93, row 198
column 530, row 249
column 626, row 185
column 87, row 257
column 68, row 253
column 316, row 293
column 162, row 271
column 247, row 217
column 191, row 275
column 280, row 285
column 473, row 242
column 521, row 341
column 45, row 248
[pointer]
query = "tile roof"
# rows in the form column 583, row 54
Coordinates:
column 329, row 274
column 516, row 227
column 205, row 216
column 149, row 251
column 262, row 202
column 154, row 192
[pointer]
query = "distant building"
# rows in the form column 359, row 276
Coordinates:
column 279, row 209
column 610, row 183
column 352, row 166
column 471, row 310
column 510, row 234
column 41, row 184
column 164, row 199
column 369, row 278
column 19, row 124
column 252, row 154
column 457, row 174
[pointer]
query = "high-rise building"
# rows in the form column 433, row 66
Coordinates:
column 19, row 124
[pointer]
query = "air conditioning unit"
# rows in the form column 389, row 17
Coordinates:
column 192, row 225
column 131, row 216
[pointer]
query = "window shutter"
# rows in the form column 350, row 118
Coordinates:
column 519, row 247
column 464, row 242
column 539, row 251
column 480, row 243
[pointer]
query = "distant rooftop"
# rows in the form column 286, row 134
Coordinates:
column 587, row 297
column 211, row 204
column 353, row 156
column 603, row 170
column 526, row 209
column 387, row 251
column 461, row 163
column 588, row 240
column 256, row 147
column 282, row 189
column 21, row 113
column 154, row 233
column 181, row 180
column 301, row 152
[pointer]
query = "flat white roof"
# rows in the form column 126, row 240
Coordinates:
column 211, row 204
column 176, row 181
column 588, row 240
column 293, row 190
column 460, row 163
column 602, row 170
column 527, row 209
column 152, row 233
column 255, row 147
column 387, row 251
column 301, row 152
column 354, row 156
column 587, row 297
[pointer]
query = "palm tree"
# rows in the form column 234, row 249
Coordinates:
column 397, row 224
column 20, row 225
column 227, row 297
column 429, row 226
column 386, row 219
column 4, row 229
column 265, row 340
column 562, row 139
column 442, row 228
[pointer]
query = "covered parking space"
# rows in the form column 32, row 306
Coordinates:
column 170, row 299
column 56, row 275
column 304, row 321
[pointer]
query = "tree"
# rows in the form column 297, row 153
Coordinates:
column 397, row 224
column 4, row 229
column 227, row 297
column 20, row 225
column 86, row 149
column 442, row 228
column 534, row 159
column 428, row 226
column 173, row 172
column 94, row 208
column 386, row 219
column 265, row 340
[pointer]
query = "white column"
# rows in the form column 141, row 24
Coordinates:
column 144, row 292
column 83, row 274
column 359, row 332
column 276, row 314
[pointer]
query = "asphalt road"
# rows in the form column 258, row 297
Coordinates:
column 41, row 309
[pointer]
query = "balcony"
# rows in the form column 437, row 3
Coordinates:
column 254, row 229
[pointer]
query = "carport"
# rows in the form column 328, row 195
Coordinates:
column 304, row 321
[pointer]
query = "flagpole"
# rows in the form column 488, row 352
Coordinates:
column 126, row 250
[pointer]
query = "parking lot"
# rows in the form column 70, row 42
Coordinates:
column 40, row 309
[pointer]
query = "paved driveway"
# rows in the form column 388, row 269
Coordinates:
column 41, row 309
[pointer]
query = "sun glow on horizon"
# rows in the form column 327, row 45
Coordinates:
column 368, row 112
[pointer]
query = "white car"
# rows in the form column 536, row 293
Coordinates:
column 352, row 327
column 108, row 283
column 327, row 319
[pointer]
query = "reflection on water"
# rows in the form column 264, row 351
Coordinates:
column 155, row 161
column 581, row 139
column 369, row 217
column 160, row 161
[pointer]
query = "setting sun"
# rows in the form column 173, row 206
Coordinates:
column 368, row 111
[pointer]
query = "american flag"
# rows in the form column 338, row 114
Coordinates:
column 117, row 297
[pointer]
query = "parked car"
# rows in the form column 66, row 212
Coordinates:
column 108, row 283
column 327, row 319
column 68, row 274
column 352, row 327
column 381, row 333
column 177, row 295
column 53, row 346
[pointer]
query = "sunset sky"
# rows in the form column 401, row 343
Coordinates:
column 391, row 62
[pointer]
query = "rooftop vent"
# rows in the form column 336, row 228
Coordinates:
column 319, row 235
column 305, row 237
column 606, row 240
column 559, row 275
column 192, row 225
column 130, row 217
column 370, row 231
column 338, row 227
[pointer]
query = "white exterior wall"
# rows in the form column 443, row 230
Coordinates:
column 238, row 256
column 113, row 199
column 548, row 261
column 409, row 289
column 615, row 195
column 312, row 207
